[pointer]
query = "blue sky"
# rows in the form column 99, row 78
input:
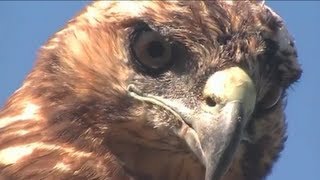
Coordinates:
column 25, row 26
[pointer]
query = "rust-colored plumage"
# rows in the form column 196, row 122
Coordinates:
column 77, row 117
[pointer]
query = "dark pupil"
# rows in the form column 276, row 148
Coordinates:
column 155, row 49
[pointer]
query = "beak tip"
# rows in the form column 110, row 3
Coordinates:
column 220, row 141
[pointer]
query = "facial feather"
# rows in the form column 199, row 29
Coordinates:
column 73, row 117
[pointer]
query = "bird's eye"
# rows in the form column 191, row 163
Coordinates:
column 151, row 50
column 271, row 98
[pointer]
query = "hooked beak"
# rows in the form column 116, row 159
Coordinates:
column 213, row 132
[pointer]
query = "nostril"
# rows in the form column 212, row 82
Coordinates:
column 210, row 101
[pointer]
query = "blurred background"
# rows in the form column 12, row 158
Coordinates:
column 25, row 26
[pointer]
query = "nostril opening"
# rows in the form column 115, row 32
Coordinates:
column 210, row 102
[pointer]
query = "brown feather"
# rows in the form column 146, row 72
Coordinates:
column 81, row 124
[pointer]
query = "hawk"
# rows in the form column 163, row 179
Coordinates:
column 154, row 90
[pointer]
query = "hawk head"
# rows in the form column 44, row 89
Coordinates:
column 154, row 90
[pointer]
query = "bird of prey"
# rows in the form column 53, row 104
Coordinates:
column 165, row 90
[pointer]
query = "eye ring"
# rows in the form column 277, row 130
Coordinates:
column 151, row 51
